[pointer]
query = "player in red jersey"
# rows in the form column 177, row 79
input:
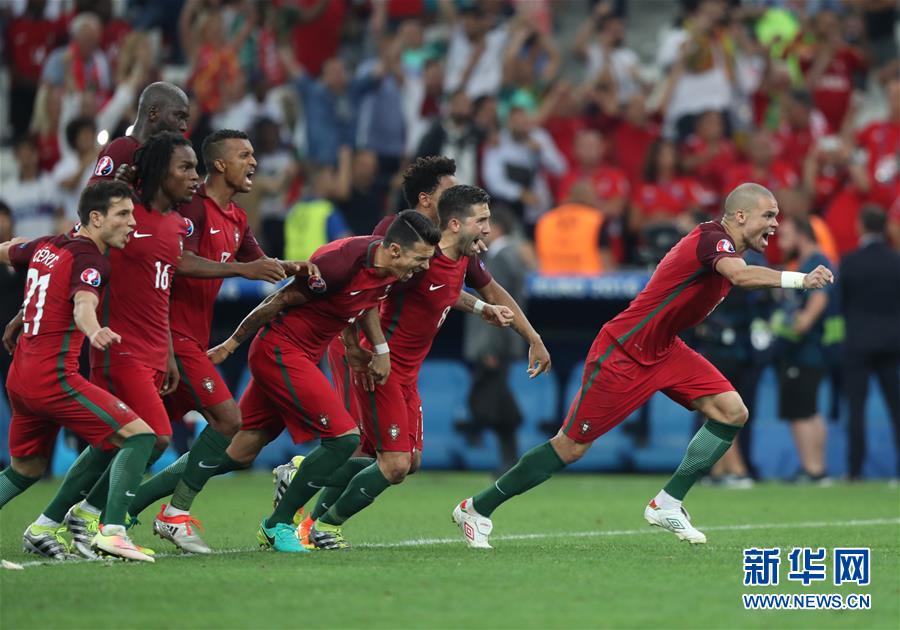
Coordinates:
column 639, row 353
column 391, row 413
column 287, row 389
column 66, row 275
column 218, row 232
column 161, row 107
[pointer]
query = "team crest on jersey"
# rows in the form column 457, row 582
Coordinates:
column 395, row 431
column 725, row 246
column 104, row 167
column 323, row 420
column 208, row 384
column 316, row 284
column 189, row 225
column 91, row 276
column 585, row 427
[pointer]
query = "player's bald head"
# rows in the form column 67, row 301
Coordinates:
column 161, row 95
column 746, row 197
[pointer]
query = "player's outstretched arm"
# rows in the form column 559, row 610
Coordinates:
column 740, row 274
column 195, row 266
column 538, row 356
column 380, row 366
column 8, row 245
column 265, row 311
column 85, row 314
column 500, row 316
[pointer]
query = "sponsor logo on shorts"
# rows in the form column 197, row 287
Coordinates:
column 208, row 384
column 725, row 245
column 91, row 276
column 585, row 427
column 316, row 284
column 323, row 420
column 394, row 431
column 105, row 166
column 189, row 225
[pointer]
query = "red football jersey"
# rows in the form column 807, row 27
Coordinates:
column 118, row 152
column 881, row 139
column 609, row 183
column 673, row 197
column 58, row 268
column 349, row 286
column 136, row 303
column 416, row 310
column 683, row 290
column 216, row 234
column 779, row 175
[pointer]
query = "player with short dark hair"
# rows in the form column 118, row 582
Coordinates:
column 300, row 320
column 424, row 180
column 391, row 413
column 66, row 275
column 639, row 353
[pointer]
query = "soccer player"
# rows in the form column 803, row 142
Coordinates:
column 287, row 388
column 391, row 413
column 218, row 233
column 639, row 353
column 66, row 275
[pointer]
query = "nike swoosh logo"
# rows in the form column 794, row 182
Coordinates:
column 435, row 288
column 383, row 297
column 363, row 492
column 356, row 292
column 129, row 494
column 205, row 465
column 139, row 235
column 312, row 485
column 212, row 231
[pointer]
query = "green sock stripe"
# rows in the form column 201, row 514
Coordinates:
column 198, row 404
column 587, row 386
column 374, row 409
column 290, row 387
column 721, row 430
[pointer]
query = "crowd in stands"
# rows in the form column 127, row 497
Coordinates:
column 604, row 158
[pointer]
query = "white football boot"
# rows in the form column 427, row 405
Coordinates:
column 676, row 520
column 475, row 528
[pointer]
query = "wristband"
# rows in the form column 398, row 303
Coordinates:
column 382, row 348
column 792, row 279
column 478, row 307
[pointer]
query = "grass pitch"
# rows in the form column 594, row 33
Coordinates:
column 573, row 553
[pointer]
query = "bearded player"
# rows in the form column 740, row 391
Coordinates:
column 639, row 353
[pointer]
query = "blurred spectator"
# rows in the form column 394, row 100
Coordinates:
column 801, row 127
column 531, row 62
column 611, row 186
column 801, row 356
column 330, row 105
column 708, row 155
column 491, row 350
column 316, row 30
column 631, row 131
column 456, row 136
column 365, row 205
column 880, row 28
column 797, row 202
column 82, row 67
column 562, row 114
column 665, row 195
column 513, row 169
column 35, row 201
column 600, row 42
column 880, row 141
column 72, row 172
column 254, row 104
column 45, row 125
column 869, row 289
column 29, row 39
column 12, row 285
column 316, row 219
column 423, row 93
column 760, row 166
column 276, row 171
column 699, row 54
column 568, row 237
column 829, row 66
column 475, row 47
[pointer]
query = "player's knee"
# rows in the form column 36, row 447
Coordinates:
column 737, row 414
column 162, row 442
column 32, row 467
column 395, row 469
column 226, row 420
column 569, row 450
column 415, row 463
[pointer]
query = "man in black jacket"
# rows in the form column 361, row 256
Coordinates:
column 870, row 295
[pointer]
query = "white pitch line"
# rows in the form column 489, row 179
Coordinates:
column 428, row 542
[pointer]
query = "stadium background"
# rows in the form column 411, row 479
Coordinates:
column 237, row 61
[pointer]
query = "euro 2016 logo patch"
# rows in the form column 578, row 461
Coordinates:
column 104, row 167
column 189, row 225
column 725, row 246
column 208, row 384
column 395, row 432
column 91, row 276
column 316, row 284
